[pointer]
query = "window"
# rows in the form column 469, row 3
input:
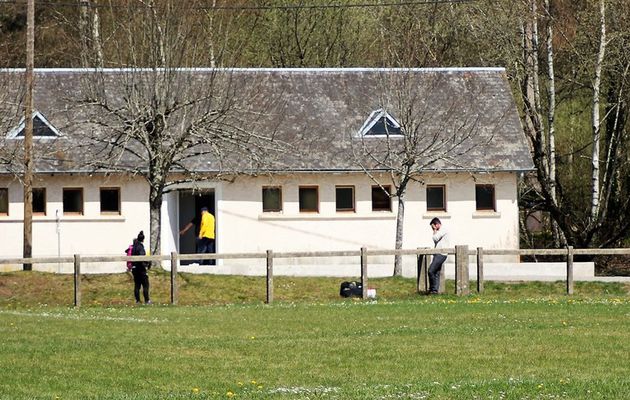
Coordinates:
column 42, row 129
column 344, row 198
column 309, row 199
column 110, row 200
column 39, row 201
column 380, row 198
column 484, row 197
column 380, row 123
column 272, row 199
column 4, row 201
column 436, row 198
column 73, row 201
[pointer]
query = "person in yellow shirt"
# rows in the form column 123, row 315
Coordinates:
column 205, row 240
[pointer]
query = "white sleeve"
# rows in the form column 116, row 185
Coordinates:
column 440, row 238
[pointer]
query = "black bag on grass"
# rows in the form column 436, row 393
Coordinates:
column 350, row 289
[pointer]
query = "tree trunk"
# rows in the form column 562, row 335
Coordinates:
column 400, row 220
column 212, row 34
column 90, row 31
column 595, row 184
column 97, row 46
column 28, row 137
column 558, row 236
column 155, row 218
column 83, row 30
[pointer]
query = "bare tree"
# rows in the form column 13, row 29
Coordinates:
column 599, row 223
column 11, row 111
column 310, row 37
column 430, row 121
column 158, row 119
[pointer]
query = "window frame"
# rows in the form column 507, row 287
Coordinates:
column 270, row 210
column 494, row 197
column 353, row 191
column 375, row 117
column 436, row 209
column 63, row 202
column 389, row 197
column 118, row 210
column 15, row 132
column 43, row 189
column 308, row 187
column 5, row 189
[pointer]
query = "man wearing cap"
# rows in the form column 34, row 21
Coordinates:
column 205, row 240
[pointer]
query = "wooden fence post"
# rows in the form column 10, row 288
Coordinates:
column 77, row 280
column 364, row 278
column 442, row 288
column 422, row 272
column 462, row 278
column 479, row 269
column 269, row 276
column 570, row 270
column 173, row 277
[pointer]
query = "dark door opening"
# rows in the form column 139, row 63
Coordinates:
column 190, row 204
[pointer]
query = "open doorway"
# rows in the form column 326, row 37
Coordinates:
column 190, row 204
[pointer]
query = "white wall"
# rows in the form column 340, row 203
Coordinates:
column 90, row 233
column 243, row 227
column 170, row 227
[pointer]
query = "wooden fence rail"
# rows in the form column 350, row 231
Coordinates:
column 462, row 254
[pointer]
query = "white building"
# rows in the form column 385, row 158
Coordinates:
column 314, row 196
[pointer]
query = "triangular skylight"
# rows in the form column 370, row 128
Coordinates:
column 42, row 129
column 380, row 123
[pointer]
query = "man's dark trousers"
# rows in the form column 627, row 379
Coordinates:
column 434, row 272
column 205, row 245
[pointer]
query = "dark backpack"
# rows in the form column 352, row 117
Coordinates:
column 138, row 250
column 350, row 289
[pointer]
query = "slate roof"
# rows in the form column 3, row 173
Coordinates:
column 318, row 112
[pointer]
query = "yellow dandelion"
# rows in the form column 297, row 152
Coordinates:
column 253, row 382
column 252, row 337
column 230, row 394
column 260, row 386
column 240, row 383
column 195, row 390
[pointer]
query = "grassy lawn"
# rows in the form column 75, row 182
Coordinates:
column 526, row 341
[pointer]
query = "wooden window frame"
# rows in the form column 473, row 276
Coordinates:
column 45, row 203
column 80, row 190
column 353, row 208
column 316, row 210
column 279, row 209
column 494, row 197
column 100, row 199
column 443, row 208
column 389, row 197
column 5, row 214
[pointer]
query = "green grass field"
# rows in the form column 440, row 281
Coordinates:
column 526, row 341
